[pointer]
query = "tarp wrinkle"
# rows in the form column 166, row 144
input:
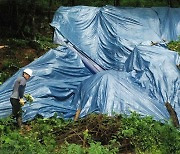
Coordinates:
column 111, row 60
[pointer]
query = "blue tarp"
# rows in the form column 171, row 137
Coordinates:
column 112, row 60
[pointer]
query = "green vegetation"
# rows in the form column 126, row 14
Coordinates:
column 95, row 134
column 18, row 53
column 41, row 43
column 175, row 46
column 27, row 51
column 29, row 98
column 16, row 20
column 27, row 36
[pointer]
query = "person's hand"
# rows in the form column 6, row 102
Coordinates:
column 21, row 101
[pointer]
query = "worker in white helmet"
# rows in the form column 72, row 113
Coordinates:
column 16, row 98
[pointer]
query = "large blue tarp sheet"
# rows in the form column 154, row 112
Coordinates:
column 112, row 60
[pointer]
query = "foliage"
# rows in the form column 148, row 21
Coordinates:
column 42, row 43
column 143, row 3
column 18, row 21
column 148, row 135
column 93, row 134
column 4, row 76
column 134, row 134
column 37, row 138
column 94, row 147
column 20, row 52
column 97, row 148
column 71, row 149
column 175, row 46
column 28, row 98
column 14, row 42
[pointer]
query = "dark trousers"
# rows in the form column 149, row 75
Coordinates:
column 16, row 110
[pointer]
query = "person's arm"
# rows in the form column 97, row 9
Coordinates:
column 77, row 114
column 21, row 94
column 21, row 91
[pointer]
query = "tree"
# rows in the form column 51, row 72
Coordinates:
column 49, row 12
column 170, row 3
column 71, row 2
column 32, row 18
column 116, row 2
column 12, row 13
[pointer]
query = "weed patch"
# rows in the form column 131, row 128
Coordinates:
column 92, row 134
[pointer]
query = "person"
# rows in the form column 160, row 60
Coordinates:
column 16, row 98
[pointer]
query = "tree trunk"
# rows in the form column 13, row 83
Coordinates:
column 116, row 2
column 49, row 12
column 32, row 19
column 170, row 4
column 73, row 2
column 13, row 16
column 172, row 114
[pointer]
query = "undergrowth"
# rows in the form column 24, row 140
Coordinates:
column 175, row 46
column 94, row 134
column 18, row 53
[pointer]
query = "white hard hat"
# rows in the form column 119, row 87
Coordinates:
column 28, row 71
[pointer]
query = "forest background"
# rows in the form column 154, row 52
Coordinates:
column 25, row 34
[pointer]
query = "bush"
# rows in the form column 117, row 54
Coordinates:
column 134, row 134
column 174, row 45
